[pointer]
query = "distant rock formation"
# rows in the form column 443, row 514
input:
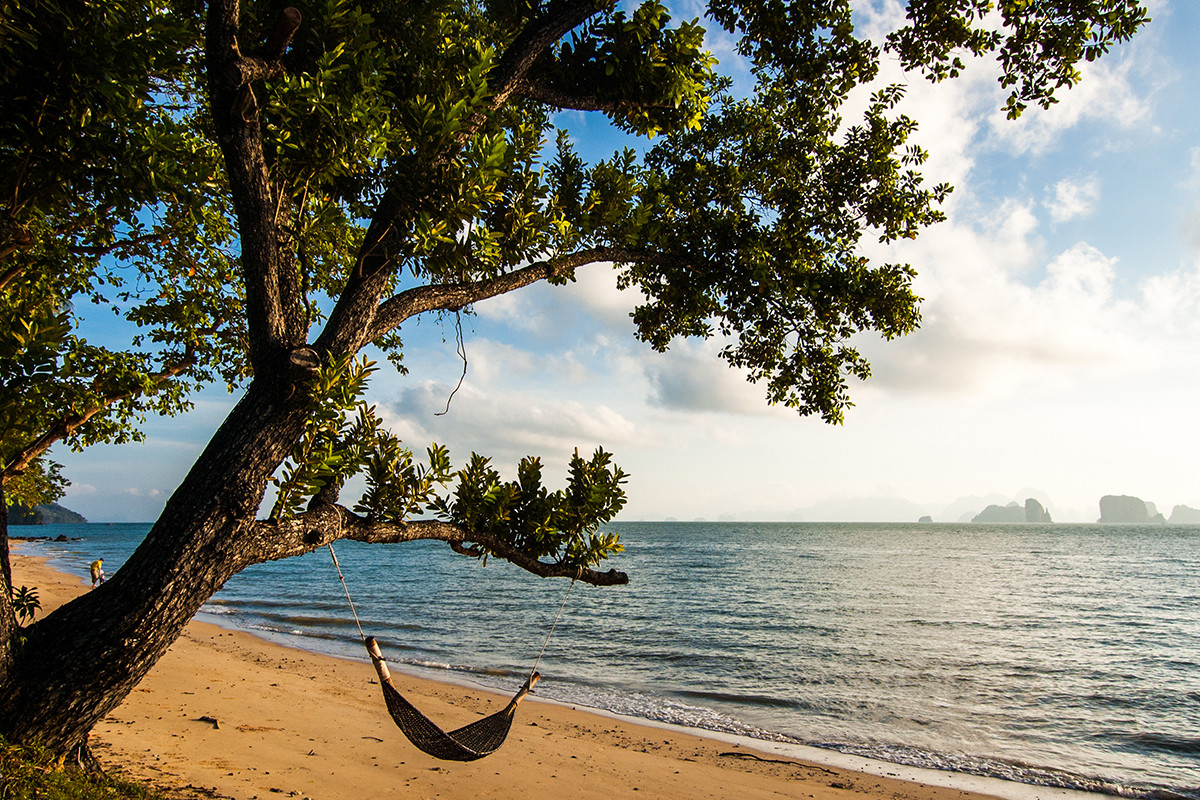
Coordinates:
column 1034, row 512
column 1009, row 513
column 928, row 518
column 1122, row 508
column 1183, row 515
column 47, row 514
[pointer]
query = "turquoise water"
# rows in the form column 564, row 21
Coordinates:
column 1064, row 655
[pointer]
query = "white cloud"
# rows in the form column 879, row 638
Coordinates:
column 135, row 491
column 989, row 323
column 1171, row 306
column 1106, row 93
column 505, row 424
column 1071, row 199
column 692, row 378
column 1191, row 224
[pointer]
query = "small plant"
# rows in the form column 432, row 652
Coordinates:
column 33, row 774
column 25, row 603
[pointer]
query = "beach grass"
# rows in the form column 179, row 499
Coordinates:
column 27, row 773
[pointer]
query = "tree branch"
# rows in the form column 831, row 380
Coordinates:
column 16, row 238
column 11, row 273
column 326, row 524
column 540, row 91
column 68, row 424
column 454, row 296
column 274, row 301
column 380, row 253
column 510, row 72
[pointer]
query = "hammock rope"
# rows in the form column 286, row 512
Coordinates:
column 468, row 743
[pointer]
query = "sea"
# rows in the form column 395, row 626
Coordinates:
column 1055, row 655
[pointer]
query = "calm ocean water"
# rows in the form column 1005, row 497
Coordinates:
column 1063, row 655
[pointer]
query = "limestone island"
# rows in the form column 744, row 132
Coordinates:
column 1013, row 513
column 1184, row 515
column 1125, row 509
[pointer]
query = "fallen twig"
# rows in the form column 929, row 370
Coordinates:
column 779, row 761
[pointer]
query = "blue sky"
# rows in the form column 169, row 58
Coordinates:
column 1059, row 356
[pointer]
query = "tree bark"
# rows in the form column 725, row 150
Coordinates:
column 80, row 662
column 8, row 619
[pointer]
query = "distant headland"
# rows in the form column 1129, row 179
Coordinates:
column 46, row 514
column 1123, row 508
column 1183, row 515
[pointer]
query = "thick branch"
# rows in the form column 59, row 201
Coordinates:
column 281, row 35
column 540, row 90
column 274, row 301
column 453, row 296
column 381, row 252
column 538, row 36
column 11, row 273
column 15, row 241
column 542, row 93
column 266, row 62
column 328, row 523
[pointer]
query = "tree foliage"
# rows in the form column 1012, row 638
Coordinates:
column 344, row 438
column 260, row 192
column 111, row 197
column 745, row 221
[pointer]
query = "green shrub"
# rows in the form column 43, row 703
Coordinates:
column 26, row 774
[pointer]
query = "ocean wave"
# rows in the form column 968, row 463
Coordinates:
column 1008, row 770
column 465, row 669
column 1166, row 742
column 743, row 699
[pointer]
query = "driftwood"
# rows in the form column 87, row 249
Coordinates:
column 733, row 754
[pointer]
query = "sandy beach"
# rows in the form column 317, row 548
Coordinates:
column 227, row 714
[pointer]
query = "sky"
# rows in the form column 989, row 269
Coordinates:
column 1058, row 357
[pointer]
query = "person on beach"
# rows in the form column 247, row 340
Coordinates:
column 97, row 572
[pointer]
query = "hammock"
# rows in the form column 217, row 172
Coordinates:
column 480, row 738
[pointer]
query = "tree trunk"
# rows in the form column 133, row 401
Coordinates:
column 80, row 662
column 8, row 619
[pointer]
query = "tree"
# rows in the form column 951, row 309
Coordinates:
column 288, row 186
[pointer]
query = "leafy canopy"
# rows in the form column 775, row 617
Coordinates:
column 416, row 160
column 111, row 200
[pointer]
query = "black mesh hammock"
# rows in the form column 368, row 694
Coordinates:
column 468, row 743
column 481, row 738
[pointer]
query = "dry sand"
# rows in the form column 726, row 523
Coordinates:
column 227, row 714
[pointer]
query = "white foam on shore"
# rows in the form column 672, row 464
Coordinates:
column 996, row 787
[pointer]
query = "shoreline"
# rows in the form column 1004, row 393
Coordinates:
column 295, row 723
